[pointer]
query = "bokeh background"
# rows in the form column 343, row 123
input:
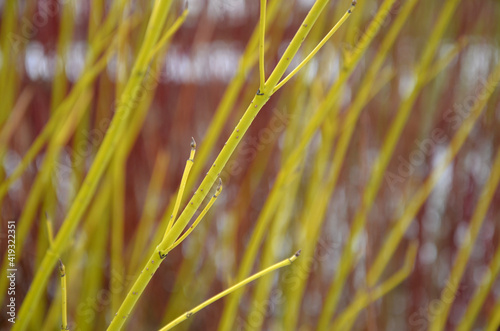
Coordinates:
column 44, row 49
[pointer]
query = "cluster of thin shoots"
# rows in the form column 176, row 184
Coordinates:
column 64, row 120
column 266, row 89
column 177, row 224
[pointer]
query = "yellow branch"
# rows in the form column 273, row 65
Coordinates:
column 233, row 288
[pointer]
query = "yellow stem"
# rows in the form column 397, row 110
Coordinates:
column 199, row 218
column 233, row 288
column 170, row 32
column 64, row 305
column 185, row 175
column 262, row 38
column 318, row 47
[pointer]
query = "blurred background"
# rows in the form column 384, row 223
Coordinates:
column 199, row 84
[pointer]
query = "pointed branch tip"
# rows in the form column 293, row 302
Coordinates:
column 353, row 5
column 219, row 187
column 193, row 143
column 298, row 253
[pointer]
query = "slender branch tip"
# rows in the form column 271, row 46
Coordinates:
column 294, row 256
column 353, row 5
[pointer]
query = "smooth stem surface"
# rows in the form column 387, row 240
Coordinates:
column 111, row 140
column 64, row 306
column 50, row 231
column 199, row 218
column 363, row 300
column 318, row 47
column 66, row 28
column 394, row 237
column 172, row 235
column 233, row 288
column 149, row 210
column 89, row 73
column 294, row 45
column 8, row 81
column 228, row 317
column 381, row 163
column 247, row 61
column 484, row 289
column 262, row 43
column 62, row 275
column 185, row 175
column 294, row 158
column 467, row 245
column 45, row 172
column 253, row 109
column 170, row 32
column 354, row 109
column 117, row 225
column 494, row 320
